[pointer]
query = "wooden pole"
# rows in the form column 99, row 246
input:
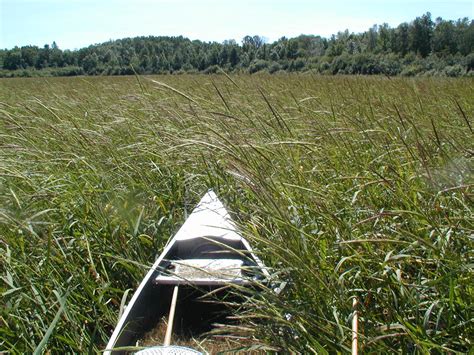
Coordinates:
column 355, row 326
column 169, row 329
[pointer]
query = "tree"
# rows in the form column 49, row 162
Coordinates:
column 43, row 57
column 465, row 36
column 145, row 62
column 444, row 37
column 69, row 57
column 135, row 64
column 274, row 55
column 55, row 56
column 336, row 46
column 372, row 37
column 234, row 56
column 292, row 49
column 223, row 56
column 213, row 57
column 385, row 38
column 90, row 63
column 248, row 47
column 177, row 61
column 401, row 38
column 421, row 34
column 380, row 49
column 29, row 55
column 12, row 60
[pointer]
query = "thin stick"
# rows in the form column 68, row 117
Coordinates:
column 354, row 326
column 169, row 329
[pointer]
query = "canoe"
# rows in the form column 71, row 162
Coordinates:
column 206, row 254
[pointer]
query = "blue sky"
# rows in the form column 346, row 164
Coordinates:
column 78, row 23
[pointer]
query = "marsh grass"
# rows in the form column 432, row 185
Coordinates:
column 346, row 186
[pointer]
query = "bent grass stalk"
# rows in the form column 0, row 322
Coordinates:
column 349, row 187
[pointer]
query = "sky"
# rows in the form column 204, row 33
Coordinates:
column 74, row 24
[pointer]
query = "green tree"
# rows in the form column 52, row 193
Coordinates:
column 234, row 56
column 444, row 37
column 177, row 61
column 56, row 56
column 465, row 36
column 70, row 57
column 421, row 34
column 292, row 49
column 12, row 59
column 401, row 39
column 336, row 46
column 372, row 38
column 90, row 63
column 43, row 57
column 223, row 55
column 385, row 38
column 29, row 55
column 384, row 50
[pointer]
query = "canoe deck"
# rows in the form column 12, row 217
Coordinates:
column 201, row 272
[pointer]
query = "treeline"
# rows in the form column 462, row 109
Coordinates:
column 421, row 47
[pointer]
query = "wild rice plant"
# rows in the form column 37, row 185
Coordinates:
column 347, row 186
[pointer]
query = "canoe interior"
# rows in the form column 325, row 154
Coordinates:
column 194, row 316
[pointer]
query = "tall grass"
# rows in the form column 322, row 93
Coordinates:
column 347, row 186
